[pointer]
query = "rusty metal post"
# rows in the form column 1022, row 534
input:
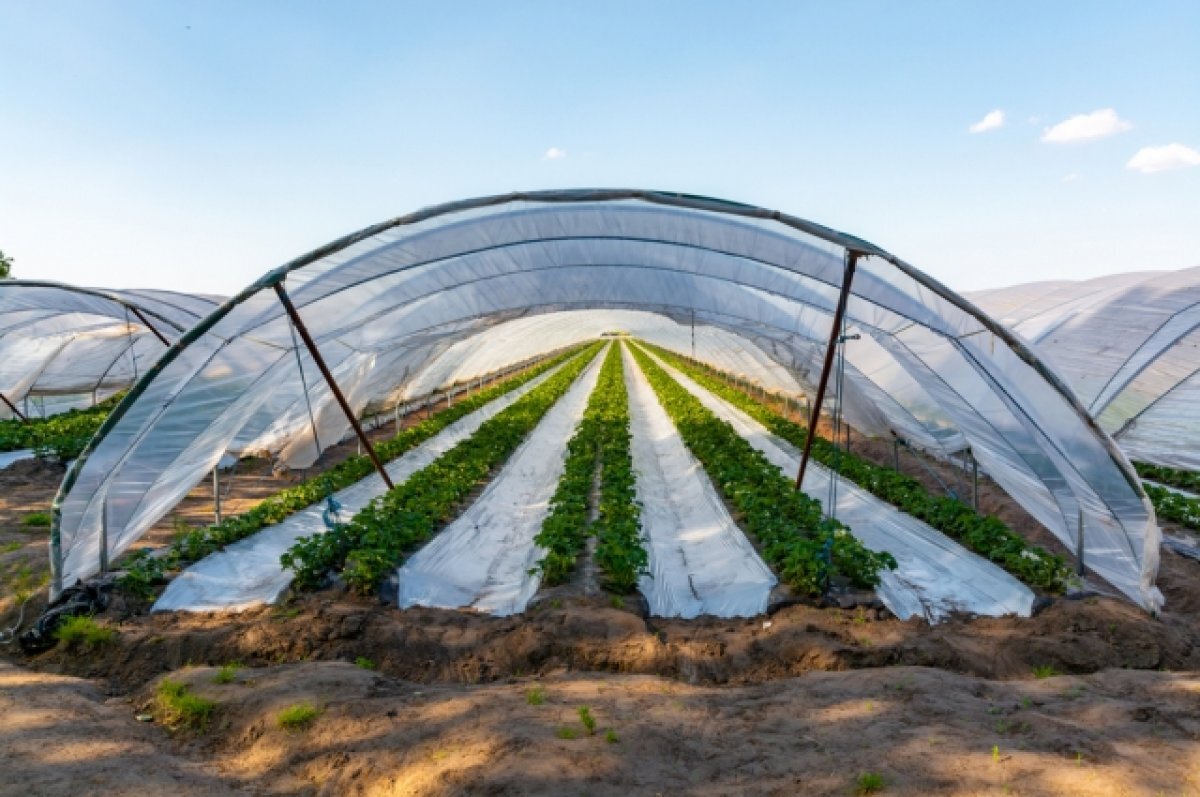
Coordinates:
column 286, row 301
column 148, row 325
column 13, row 407
column 834, row 333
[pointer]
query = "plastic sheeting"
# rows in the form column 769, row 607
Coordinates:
column 248, row 573
column 485, row 558
column 1129, row 345
column 700, row 561
column 63, row 347
column 384, row 303
column 934, row 577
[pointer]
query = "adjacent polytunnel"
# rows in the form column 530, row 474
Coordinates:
column 383, row 304
column 62, row 346
column 1129, row 346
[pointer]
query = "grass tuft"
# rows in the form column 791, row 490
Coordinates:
column 179, row 707
column 567, row 732
column 298, row 717
column 589, row 722
column 869, row 783
column 364, row 663
column 37, row 519
column 227, row 674
column 1045, row 671
column 85, row 631
column 535, row 696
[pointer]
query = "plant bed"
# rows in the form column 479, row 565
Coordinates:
column 806, row 549
column 372, row 543
column 986, row 535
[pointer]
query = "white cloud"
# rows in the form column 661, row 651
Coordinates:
column 991, row 121
column 1149, row 160
column 1087, row 126
column 1070, row 178
column 554, row 154
column 1035, row 120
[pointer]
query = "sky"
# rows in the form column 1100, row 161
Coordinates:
column 194, row 146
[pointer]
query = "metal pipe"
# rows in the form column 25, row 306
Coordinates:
column 974, row 481
column 148, row 325
column 104, row 536
column 13, row 407
column 217, row 495
column 286, row 301
column 1079, row 544
column 835, row 331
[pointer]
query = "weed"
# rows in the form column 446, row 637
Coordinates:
column 84, row 631
column 286, row 613
column 227, row 674
column 566, row 732
column 179, row 707
column 9, row 547
column 535, row 696
column 869, row 783
column 996, row 753
column 37, row 519
column 364, row 663
column 298, row 717
column 1045, row 671
column 616, row 601
column 1026, row 702
column 610, row 736
column 589, row 722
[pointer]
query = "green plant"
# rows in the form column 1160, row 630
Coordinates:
column 1174, row 506
column 364, row 663
column 986, row 535
column 616, row 601
column 869, row 783
column 178, row 706
column 36, row 519
column 227, row 674
column 63, row 436
column 602, row 438
column 805, row 548
column 83, row 630
column 589, row 722
column 297, row 717
column 9, row 547
column 1183, row 479
column 610, row 736
column 1045, row 671
column 374, row 540
column 143, row 572
column 535, row 696
column 996, row 753
column 566, row 732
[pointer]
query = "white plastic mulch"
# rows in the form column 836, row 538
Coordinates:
column 700, row 561
column 248, row 573
column 482, row 560
column 935, row 575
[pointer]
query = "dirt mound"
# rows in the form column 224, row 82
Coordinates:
column 921, row 731
column 436, row 646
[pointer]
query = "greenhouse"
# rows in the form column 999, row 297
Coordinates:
column 611, row 301
column 1128, row 345
column 64, row 347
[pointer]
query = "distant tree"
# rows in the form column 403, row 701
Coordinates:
column 6, row 264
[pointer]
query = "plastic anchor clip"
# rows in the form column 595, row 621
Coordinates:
column 332, row 513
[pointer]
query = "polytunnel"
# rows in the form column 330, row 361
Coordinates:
column 380, row 306
column 63, row 346
column 1129, row 346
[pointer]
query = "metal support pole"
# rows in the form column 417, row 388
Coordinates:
column 148, row 325
column 13, row 407
column 835, row 331
column 974, row 481
column 895, row 453
column 693, row 333
column 286, row 301
column 1079, row 544
column 216, row 496
column 104, row 536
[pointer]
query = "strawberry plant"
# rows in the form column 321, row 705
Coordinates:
column 374, row 540
column 806, row 549
column 1174, row 506
column 986, row 535
column 602, row 438
column 143, row 571
column 1183, row 479
column 62, row 436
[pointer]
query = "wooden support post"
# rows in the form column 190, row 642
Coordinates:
column 835, row 332
column 148, row 325
column 216, row 495
column 286, row 301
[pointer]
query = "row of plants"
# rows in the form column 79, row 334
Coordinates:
column 1173, row 506
column 144, row 570
column 372, row 543
column 806, row 549
column 1183, row 479
column 986, row 535
column 62, row 436
column 602, row 439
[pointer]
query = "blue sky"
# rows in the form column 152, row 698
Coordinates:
column 196, row 145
